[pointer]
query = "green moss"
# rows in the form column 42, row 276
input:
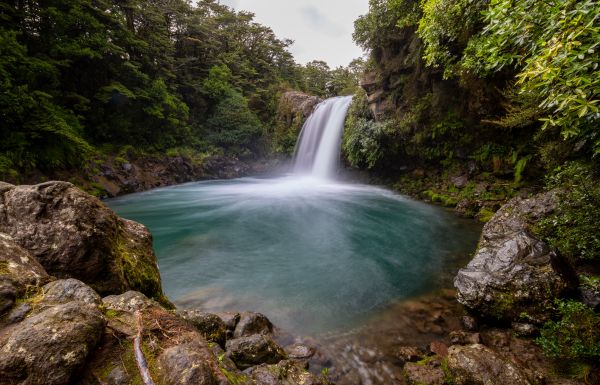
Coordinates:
column 503, row 305
column 575, row 336
column 448, row 377
column 111, row 313
column 141, row 276
column 4, row 268
column 485, row 215
column 235, row 378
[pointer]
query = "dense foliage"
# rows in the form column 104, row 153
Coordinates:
column 573, row 229
column 576, row 335
column 542, row 56
column 81, row 76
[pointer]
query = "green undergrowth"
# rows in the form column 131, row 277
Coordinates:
column 573, row 228
column 574, row 335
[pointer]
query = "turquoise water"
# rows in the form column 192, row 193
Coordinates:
column 312, row 255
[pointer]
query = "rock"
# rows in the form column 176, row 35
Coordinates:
column 230, row 319
column 418, row 374
column 590, row 296
column 252, row 323
column 130, row 301
column 513, row 272
column 467, row 208
column 439, row 348
column 51, row 346
column 459, row 181
column 74, row 235
column 67, row 290
column 458, row 337
column 187, row 364
column 408, row 354
column 299, row 102
column 18, row 313
column 469, row 323
column 19, row 267
column 286, row 372
column 300, row 351
column 479, row 365
column 254, row 350
column 118, row 376
column 209, row 325
column 524, row 329
column 8, row 295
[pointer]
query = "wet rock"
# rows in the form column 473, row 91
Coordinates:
column 513, row 272
column 186, row 364
column 74, row 235
column 286, row 372
column 209, row 325
column 479, row 365
column 428, row 374
column 300, row 351
column 524, row 329
column 252, row 323
column 459, row 337
column 254, row 350
column 51, row 346
column 230, row 319
column 67, row 290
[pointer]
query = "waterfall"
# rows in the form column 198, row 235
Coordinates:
column 318, row 147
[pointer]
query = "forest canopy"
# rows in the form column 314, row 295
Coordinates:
column 86, row 76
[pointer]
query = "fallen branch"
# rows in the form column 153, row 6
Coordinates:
column 139, row 355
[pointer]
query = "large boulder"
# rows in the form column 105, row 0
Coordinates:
column 74, row 235
column 49, row 347
column 252, row 323
column 254, row 350
column 479, row 365
column 189, row 364
column 514, row 275
column 209, row 325
column 287, row 372
column 19, row 272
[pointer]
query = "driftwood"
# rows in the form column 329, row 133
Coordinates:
column 139, row 355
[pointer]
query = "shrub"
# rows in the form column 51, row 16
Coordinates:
column 573, row 229
column 576, row 335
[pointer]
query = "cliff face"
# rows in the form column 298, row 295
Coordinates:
column 293, row 110
column 401, row 80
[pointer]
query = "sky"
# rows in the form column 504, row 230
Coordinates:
column 321, row 29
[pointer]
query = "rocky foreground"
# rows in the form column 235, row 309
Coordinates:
column 81, row 302
column 61, row 250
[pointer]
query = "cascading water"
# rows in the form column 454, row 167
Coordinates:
column 318, row 148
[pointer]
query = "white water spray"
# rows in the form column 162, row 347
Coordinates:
column 318, row 147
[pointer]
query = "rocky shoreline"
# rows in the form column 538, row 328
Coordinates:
column 61, row 250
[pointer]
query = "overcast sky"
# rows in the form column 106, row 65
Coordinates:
column 321, row 29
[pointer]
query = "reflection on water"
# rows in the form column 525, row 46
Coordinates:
column 314, row 256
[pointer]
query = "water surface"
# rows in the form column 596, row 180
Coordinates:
column 314, row 256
